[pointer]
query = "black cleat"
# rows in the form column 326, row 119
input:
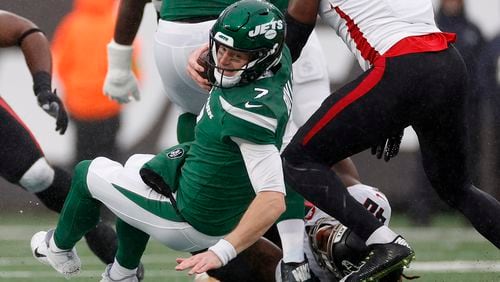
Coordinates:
column 293, row 272
column 382, row 260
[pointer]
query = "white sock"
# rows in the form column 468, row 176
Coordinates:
column 53, row 247
column 292, row 239
column 118, row 272
column 382, row 235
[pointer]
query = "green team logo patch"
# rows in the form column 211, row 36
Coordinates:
column 175, row 154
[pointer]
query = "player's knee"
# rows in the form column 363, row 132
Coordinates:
column 38, row 177
column 81, row 170
column 292, row 154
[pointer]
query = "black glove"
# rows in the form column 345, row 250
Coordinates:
column 52, row 105
column 391, row 146
column 156, row 182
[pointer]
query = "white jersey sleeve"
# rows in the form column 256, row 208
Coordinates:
column 263, row 164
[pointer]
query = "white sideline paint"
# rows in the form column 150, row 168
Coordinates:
column 83, row 274
column 14, row 232
column 456, row 266
column 90, row 261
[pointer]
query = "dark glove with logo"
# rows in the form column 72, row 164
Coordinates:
column 391, row 146
column 155, row 181
column 52, row 105
column 49, row 101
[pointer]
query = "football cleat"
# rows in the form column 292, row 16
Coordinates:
column 106, row 277
column 293, row 272
column 65, row 262
column 140, row 272
column 382, row 260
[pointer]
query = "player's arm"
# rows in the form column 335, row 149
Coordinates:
column 129, row 19
column 263, row 164
column 300, row 19
column 347, row 172
column 16, row 30
column 120, row 83
column 19, row 31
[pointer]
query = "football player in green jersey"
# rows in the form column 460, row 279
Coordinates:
column 183, row 26
column 223, row 190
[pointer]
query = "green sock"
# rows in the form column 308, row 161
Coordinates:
column 131, row 244
column 80, row 212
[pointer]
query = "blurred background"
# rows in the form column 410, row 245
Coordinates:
column 149, row 125
column 447, row 247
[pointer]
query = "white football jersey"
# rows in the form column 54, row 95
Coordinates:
column 371, row 198
column 371, row 27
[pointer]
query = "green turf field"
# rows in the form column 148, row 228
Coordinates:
column 447, row 251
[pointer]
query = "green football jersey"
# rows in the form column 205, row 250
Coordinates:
column 214, row 187
column 175, row 10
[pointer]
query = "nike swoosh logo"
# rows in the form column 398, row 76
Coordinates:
column 37, row 254
column 248, row 105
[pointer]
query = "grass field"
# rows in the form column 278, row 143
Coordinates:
column 448, row 250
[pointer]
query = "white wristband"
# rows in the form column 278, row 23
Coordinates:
column 119, row 56
column 224, row 250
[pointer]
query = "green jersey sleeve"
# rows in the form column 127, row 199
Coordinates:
column 257, row 125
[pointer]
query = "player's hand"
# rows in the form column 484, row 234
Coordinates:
column 389, row 148
column 53, row 106
column 199, row 263
column 196, row 69
column 120, row 83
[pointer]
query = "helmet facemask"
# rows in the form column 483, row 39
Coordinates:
column 335, row 247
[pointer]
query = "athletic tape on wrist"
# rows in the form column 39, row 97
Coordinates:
column 119, row 56
column 224, row 250
column 120, row 47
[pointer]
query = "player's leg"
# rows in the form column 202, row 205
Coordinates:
column 122, row 190
column 96, row 138
column 443, row 142
column 102, row 241
column 307, row 167
column 171, row 49
column 360, row 114
column 294, row 266
column 23, row 163
column 132, row 242
column 311, row 86
column 80, row 213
